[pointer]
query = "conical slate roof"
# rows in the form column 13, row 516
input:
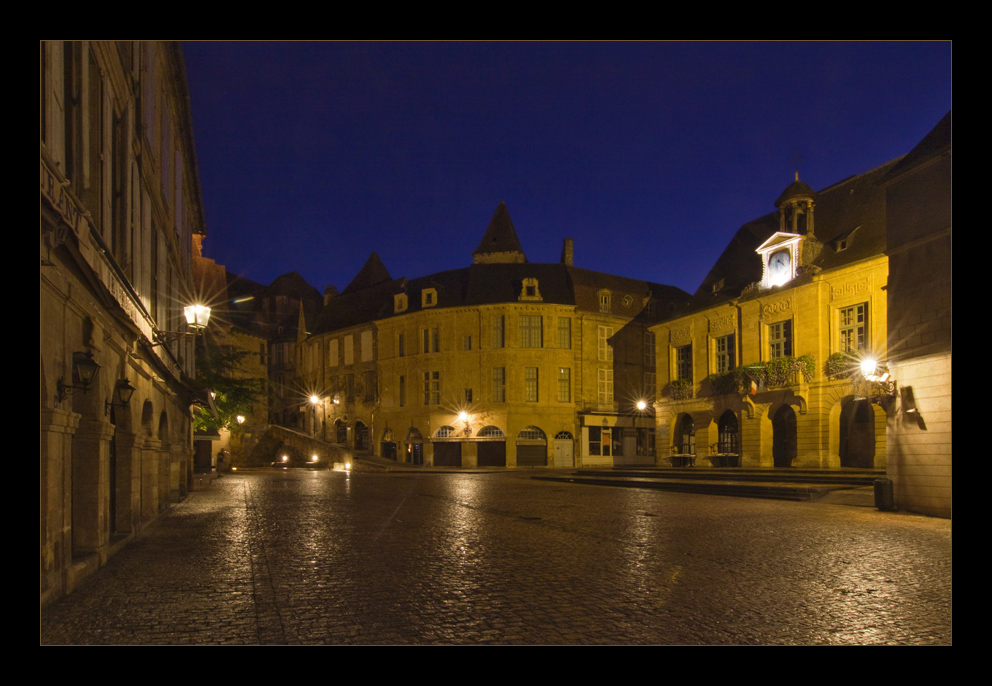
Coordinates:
column 500, row 236
column 372, row 273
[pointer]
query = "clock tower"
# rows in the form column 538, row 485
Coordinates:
column 794, row 245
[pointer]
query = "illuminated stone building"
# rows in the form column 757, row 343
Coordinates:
column 763, row 370
column 273, row 313
column 503, row 362
column 120, row 204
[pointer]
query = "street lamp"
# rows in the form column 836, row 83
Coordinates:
column 197, row 317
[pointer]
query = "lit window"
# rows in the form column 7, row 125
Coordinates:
column 564, row 385
column 605, row 301
column 683, row 362
column 780, row 339
column 854, row 328
column 725, row 354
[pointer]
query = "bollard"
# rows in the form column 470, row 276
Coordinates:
column 883, row 494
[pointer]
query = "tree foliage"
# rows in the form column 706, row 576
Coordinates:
column 220, row 368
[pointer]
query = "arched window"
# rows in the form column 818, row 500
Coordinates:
column 729, row 430
column 685, row 436
column 531, row 433
column 445, row 432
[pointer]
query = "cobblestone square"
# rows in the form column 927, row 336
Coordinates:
column 310, row 558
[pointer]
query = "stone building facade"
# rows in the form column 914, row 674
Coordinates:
column 765, row 368
column 504, row 362
column 120, row 203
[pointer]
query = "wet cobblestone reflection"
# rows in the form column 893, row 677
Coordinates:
column 365, row 558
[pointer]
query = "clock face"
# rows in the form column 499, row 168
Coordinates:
column 780, row 267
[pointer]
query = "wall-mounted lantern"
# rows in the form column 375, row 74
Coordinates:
column 84, row 369
column 124, row 390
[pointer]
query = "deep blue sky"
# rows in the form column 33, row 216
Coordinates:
column 650, row 155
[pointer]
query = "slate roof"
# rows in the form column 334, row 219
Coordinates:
column 492, row 284
column 852, row 209
column 372, row 273
column 933, row 144
column 500, row 236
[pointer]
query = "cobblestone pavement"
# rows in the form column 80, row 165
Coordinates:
column 303, row 557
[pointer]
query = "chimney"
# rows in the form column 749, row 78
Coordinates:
column 329, row 293
column 566, row 252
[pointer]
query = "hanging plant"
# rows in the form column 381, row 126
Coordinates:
column 681, row 389
column 775, row 373
column 838, row 366
column 721, row 384
column 806, row 366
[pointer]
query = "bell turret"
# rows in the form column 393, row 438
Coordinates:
column 795, row 208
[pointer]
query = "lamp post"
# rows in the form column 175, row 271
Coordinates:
column 313, row 404
column 641, row 406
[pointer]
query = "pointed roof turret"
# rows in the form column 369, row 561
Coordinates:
column 500, row 243
column 372, row 273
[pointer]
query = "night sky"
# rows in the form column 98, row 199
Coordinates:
column 650, row 155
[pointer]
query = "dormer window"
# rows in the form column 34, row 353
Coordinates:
column 530, row 291
column 400, row 302
column 428, row 297
column 605, row 301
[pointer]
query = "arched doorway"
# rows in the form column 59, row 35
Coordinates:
column 414, row 447
column 784, row 446
column 857, row 434
column 728, row 441
column 492, row 447
column 447, row 453
column 532, row 447
column 685, row 436
column 361, row 436
column 387, row 445
column 564, row 450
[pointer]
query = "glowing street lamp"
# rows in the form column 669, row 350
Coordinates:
column 197, row 316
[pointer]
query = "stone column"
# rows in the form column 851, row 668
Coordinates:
column 57, row 429
column 150, row 453
column 128, row 482
column 91, row 488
